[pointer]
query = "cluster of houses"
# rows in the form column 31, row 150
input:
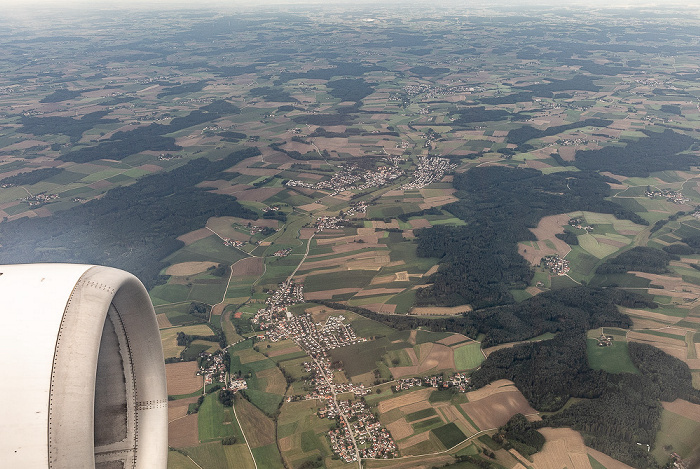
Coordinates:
column 352, row 177
column 329, row 223
column 430, row 169
column 556, row 265
column 321, row 388
column 605, row 340
column 314, row 338
column 233, row 242
column 432, row 91
column 372, row 440
column 212, row 367
column 569, row 142
column 460, row 381
column 282, row 252
column 578, row 224
column 670, row 196
column 39, row 199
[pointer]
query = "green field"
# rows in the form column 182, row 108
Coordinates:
column 468, row 356
column 207, row 249
column 421, row 414
column 613, row 359
column 424, row 425
column 678, row 431
column 211, row 420
column 449, row 435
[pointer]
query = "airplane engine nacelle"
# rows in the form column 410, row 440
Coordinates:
column 82, row 377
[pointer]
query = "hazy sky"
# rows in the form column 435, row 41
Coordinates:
column 109, row 4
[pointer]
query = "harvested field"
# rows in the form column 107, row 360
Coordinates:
column 370, row 242
column 652, row 316
column 276, row 383
column 163, row 321
column 420, row 462
column 495, row 410
column 250, row 356
column 683, row 289
column 251, row 266
column 259, row 194
column 611, row 242
column 400, row 371
column 412, row 440
column 405, row 399
column 400, row 429
column 178, row 409
column 431, row 202
column 306, row 233
column 546, row 230
column 684, row 408
column 196, row 235
column 259, row 429
column 564, row 448
column 286, row 443
column 439, row 358
column 313, row 207
column 392, row 278
column 182, row 378
column 498, row 386
column 385, row 226
column 431, row 270
column 284, row 351
column 385, row 308
column 420, row 223
column 440, row 310
column 189, row 268
column 328, row 294
column 379, row 291
column 668, row 341
column 183, row 432
column 453, row 339
column 369, row 260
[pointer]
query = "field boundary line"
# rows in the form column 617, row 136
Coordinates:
column 233, row 405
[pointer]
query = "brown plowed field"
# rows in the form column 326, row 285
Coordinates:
column 259, row 429
column 564, row 448
column 684, row 408
column 495, row 410
column 196, row 235
column 182, row 378
column 178, row 409
column 420, row 223
column 183, row 432
column 249, row 266
column 385, row 308
column 412, row 440
column 163, row 321
column 453, row 339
